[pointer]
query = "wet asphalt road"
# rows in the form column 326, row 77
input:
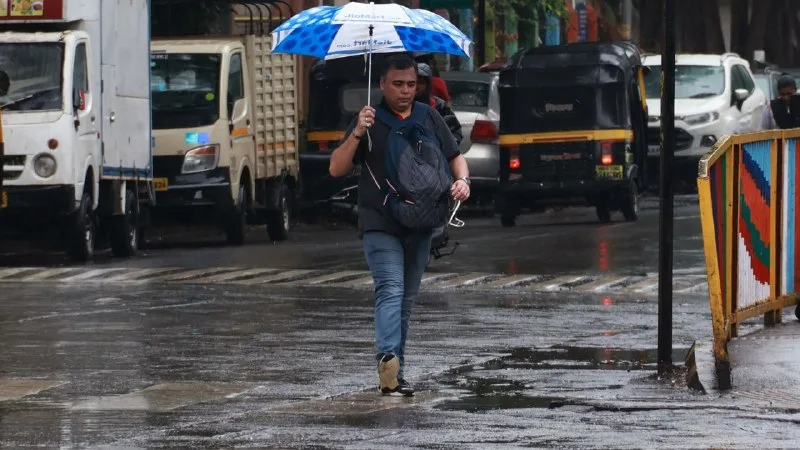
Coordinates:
column 223, row 366
column 191, row 362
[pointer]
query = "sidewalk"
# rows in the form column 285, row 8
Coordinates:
column 765, row 367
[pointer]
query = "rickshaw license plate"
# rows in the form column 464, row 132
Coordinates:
column 654, row 150
column 610, row 172
column 161, row 184
column 4, row 201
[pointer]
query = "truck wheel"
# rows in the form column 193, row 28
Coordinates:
column 603, row 211
column 237, row 221
column 630, row 205
column 82, row 231
column 279, row 222
column 125, row 229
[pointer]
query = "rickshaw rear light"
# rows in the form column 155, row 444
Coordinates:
column 484, row 131
column 513, row 158
column 606, row 154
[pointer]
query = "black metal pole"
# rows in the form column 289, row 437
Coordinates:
column 666, row 192
column 480, row 34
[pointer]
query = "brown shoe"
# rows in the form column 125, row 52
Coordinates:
column 388, row 369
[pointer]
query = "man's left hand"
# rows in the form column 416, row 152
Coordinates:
column 460, row 191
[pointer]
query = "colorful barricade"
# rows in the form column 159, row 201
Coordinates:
column 748, row 190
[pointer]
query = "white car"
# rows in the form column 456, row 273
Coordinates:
column 715, row 95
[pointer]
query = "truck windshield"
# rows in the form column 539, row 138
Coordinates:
column 184, row 88
column 32, row 77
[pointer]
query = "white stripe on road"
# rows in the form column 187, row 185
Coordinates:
column 555, row 284
column 601, row 284
column 510, row 281
column 197, row 273
column 332, row 277
column 45, row 274
column 13, row 271
column 462, row 281
column 277, row 277
column 88, row 275
column 236, row 274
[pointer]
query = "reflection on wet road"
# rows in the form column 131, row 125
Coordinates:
column 278, row 367
column 195, row 344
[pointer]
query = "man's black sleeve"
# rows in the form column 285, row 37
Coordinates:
column 358, row 156
column 446, row 140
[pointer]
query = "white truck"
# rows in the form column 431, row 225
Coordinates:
column 225, row 127
column 76, row 116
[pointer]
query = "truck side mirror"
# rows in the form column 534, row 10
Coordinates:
column 78, row 100
column 236, row 111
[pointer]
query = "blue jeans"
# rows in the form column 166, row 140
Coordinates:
column 397, row 265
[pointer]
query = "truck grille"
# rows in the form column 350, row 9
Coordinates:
column 683, row 139
column 167, row 166
column 13, row 165
column 555, row 162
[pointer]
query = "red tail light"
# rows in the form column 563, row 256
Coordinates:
column 484, row 131
column 513, row 160
column 606, row 154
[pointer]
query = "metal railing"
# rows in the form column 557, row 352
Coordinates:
column 748, row 191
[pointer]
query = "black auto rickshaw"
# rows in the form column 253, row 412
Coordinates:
column 573, row 129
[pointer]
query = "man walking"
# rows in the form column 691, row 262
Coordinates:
column 396, row 255
column 784, row 111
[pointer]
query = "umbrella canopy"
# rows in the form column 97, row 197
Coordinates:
column 329, row 32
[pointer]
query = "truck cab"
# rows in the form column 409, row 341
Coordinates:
column 224, row 119
column 77, row 158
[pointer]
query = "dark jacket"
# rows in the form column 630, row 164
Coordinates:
column 449, row 118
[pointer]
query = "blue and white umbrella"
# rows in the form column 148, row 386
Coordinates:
column 329, row 32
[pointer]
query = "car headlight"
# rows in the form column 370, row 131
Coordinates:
column 699, row 119
column 44, row 165
column 201, row 159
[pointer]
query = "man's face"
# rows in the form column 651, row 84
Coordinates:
column 399, row 88
column 786, row 93
column 422, row 85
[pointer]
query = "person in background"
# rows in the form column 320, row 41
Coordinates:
column 784, row 111
column 438, row 86
column 425, row 95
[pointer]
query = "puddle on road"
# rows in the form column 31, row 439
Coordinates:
column 480, row 404
column 492, row 393
column 587, row 358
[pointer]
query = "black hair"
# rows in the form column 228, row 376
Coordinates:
column 400, row 61
column 786, row 81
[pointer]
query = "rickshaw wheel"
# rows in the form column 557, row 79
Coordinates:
column 630, row 208
column 797, row 312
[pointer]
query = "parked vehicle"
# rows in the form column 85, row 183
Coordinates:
column 78, row 160
column 715, row 95
column 572, row 129
column 225, row 120
column 476, row 103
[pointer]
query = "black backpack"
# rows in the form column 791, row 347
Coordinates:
column 418, row 177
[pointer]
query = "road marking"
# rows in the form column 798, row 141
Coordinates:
column 332, row 277
column 197, row 273
column 646, row 286
column 554, row 284
column 462, row 281
column 5, row 273
column 137, row 274
column 277, row 278
column 96, row 273
column 236, row 275
column 510, row 281
column 164, row 397
column 687, row 283
column 602, row 283
column 45, row 274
